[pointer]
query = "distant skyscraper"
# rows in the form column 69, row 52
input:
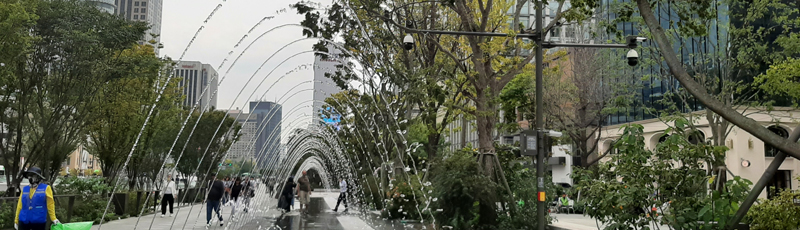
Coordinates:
column 108, row 6
column 268, row 140
column 244, row 149
column 196, row 76
column 324, row 87
column 143, row 10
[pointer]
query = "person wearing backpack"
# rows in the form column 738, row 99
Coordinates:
column 213, row 201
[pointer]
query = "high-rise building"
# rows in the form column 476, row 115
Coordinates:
column 268, row 136
column 324, row 86
column 244, row 148
column 143, row 10
column 108, row 6
column 195, row 77
column 653, row 89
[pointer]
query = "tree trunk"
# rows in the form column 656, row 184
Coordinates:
column 432, row 147
column 486, row 159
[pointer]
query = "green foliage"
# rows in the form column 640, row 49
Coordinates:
column 406, row 200
column 782, row 80
column 523, row 185
column 56, row 56
column 624, row 191
column 204, row 133
column 372, row 192
column 459, row 185
column 7, row 214
column 91, row 197
column 779, row 213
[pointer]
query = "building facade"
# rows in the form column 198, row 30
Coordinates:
column 324, row 86
column 268, row 136
column 652, row 90
column 108, row 6
column 143, row 10
column 244, row 148
column 81, row 163
column 747, row 156
column 195, row 77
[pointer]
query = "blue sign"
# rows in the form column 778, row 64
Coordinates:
column 331, row 117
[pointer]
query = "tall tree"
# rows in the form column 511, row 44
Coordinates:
column 51, row 94
column 16, row 19
column 205, row 149
column 580, row 101
column 120, row 114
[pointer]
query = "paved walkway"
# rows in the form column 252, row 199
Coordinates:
column 581, row 222
column 194, row 217
column 265, row 215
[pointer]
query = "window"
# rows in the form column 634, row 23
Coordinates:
column 136, row 17
column 570, row 32
column 136, row 3
column 556, row 32
column 136, row 10
column 144, row 3
column 525, row 23
column 697, row 137
column 144, row 10
column 769, row 150
column 142, row 17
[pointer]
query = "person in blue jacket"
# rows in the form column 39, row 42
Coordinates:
column 35, row 203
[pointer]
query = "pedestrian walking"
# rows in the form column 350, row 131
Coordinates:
column 236, row 192
column 304, row 192
column 213, row 201
column 287, row 195
column 342, row 195
column 170, row 192
column 247, row 193
column 35, row 203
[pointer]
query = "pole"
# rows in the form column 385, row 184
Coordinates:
column 540, row 204
column 762, row 182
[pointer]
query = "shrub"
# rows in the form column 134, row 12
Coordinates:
column 459, row 188
column 522, row 209
column 372, row 192
column 91, row 197
column 623, row 191
column 404, row 199
column 779, row 213
column 7, row 214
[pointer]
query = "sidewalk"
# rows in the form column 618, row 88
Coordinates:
column 581, row 222
column 192, row 216
column 186, row 217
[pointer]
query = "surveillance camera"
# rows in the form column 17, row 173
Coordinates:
column 408, row 42
column 633, row 57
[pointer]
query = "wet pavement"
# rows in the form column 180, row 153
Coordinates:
column 317, row 218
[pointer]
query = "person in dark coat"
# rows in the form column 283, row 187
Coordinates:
column 287, row 195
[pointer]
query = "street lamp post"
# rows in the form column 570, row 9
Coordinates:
column 538, row 36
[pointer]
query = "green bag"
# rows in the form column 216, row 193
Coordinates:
column 73, row 226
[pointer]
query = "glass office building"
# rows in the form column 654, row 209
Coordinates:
column 655, row 81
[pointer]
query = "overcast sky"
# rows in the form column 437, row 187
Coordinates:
column 232, row 21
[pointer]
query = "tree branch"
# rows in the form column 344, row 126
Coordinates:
column 677, row 70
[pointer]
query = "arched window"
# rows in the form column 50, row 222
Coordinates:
column 696, row 137
column 663, row 138
column 769, row 150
